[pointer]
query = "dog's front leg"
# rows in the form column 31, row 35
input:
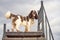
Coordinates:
column 27, row 28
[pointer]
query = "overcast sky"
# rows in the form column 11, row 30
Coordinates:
column 23, row 7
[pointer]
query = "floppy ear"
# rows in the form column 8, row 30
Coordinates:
column 30, row 15
column 36, row 16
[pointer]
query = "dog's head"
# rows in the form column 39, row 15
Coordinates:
column 33, row 14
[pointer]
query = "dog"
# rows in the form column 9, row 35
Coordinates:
column 18, row 20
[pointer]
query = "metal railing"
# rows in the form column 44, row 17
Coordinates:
column 45, row 23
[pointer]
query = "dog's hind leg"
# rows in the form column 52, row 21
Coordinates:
column 26, row 28
column 17, row 28
column 13, row 26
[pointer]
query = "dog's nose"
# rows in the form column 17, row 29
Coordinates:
column 33, row 14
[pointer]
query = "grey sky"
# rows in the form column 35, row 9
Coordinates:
column 23, row 7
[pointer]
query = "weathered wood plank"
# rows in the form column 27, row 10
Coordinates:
column 24, row 34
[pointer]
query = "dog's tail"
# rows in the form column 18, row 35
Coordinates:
column 7, row 15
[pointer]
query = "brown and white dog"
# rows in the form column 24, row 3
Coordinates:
column 18, row 20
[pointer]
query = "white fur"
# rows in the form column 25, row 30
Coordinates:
column 7, row 15
column 26, row 24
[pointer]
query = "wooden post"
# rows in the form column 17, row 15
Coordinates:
column 4, row 30
column 42, row 16
column 46, row 28
column 50, row 32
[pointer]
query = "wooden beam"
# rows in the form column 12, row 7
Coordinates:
column 4, row 30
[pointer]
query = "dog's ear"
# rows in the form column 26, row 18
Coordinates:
column 36, row 16
column 30, row 15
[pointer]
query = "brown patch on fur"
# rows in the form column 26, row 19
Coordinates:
column 30, row 15
column 24, row 18
column 27, row 18
column 14, row 18
column 21, row 18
